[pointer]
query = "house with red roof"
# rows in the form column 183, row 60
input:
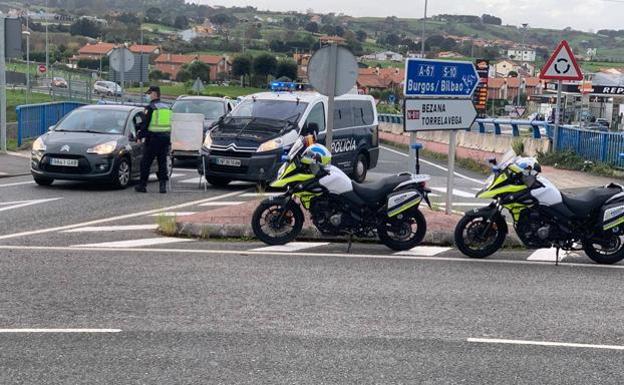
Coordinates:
column 172, row 64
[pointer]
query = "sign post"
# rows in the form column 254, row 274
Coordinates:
column 562, row 65
column 438, row 96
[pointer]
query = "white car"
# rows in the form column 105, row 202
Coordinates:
column 104, row 87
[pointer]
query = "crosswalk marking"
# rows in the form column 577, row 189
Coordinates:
column 136, row 243
column 547, row 255
column 174, row 214
column 260, row 195
column 18, row 204
column 459, row 193
column 424, row 251
column 153, row 177
column 93, row 229
column 292, row 246
column 195, row 180
column 226, row 203
column 465, row 204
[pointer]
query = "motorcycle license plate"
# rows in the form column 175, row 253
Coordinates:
column 64, row 162
column 229, row 162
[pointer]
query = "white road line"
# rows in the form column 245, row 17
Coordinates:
column 65, row 249
column 292, row 246
column 260, row 195
column 3, row 173
column 424, row 251
column 547, row 255
column 17, row 184
column 153, row 178
column 174, row 214
column 544, row 343
column 227, row 203
column 459, row 193
column 94, row 229
column 464, row 204
column 189, row 181
column 25, row 156
column 60, row 330
column 120, row 217
column 19, row 204
column 435, row 165
column 136, row 243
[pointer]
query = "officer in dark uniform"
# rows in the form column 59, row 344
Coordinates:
column 156, row 134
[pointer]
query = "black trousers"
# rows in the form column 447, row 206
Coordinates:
column 156, row 147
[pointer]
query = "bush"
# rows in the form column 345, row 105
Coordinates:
column 570, row 160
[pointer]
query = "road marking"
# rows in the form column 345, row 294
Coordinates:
column 93, row 229
column 3, row 173
column 544, row 343
column 60, row 330
column 174, row 214
column 547, row 255
column 19, row 204
column 459, row 193
column 292, row 246
column 310, row 254
column 25, row 156
column 195, row 180
column 17, row 184
column 466, row 204
column 153, row 178
column 435, row 165
column 424, row 251
column 136, row 243
column 227, row 203
column 260, row 195
column 120, row 217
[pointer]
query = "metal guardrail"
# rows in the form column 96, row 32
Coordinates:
column 596, row 146
column 534, row 125
column 34, row 119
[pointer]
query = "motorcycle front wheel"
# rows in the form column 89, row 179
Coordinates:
column 605, row 250
column 404, row 231
column 477, row 237
column 276, row 223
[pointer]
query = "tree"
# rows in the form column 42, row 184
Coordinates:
column 312, row 27
column 194, row 70
column 153, row 14
column 181, row 22
column 158, row 75
column 339, row 30
column 393, row 39
column 222, row 19
column 287, row 68
column 489, row 19
column 361, row 35
column 241, row 66
column 512, row 74
column 328, row 29
column 85, row 27
column 264, row 65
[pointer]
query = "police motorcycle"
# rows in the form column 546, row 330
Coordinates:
column 339, row 206
column 543, row 217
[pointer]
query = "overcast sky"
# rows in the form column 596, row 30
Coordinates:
column 578, row 14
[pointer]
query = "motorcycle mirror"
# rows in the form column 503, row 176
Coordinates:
column 492, row 161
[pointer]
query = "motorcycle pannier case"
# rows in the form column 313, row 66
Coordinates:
column 613, row 216
column 401, row 201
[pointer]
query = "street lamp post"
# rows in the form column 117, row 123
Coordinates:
column 27, row 34
column 47, row 41
column 523, row 50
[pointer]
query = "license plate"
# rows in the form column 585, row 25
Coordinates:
column 229, row 162
column 64, row 162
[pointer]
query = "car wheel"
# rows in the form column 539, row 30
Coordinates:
column 42, row 180
column 123, row 174
column 360, row 167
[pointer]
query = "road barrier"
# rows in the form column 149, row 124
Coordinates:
column 596, row 146
column 34, row 119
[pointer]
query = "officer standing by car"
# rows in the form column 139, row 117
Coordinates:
column 156, row 134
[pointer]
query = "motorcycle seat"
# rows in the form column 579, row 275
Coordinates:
column 583, row 204
column 376, row 191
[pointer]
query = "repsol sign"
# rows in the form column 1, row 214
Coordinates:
column 343, row 145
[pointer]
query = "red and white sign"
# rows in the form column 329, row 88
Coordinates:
column 562, row 65
column 42, row 68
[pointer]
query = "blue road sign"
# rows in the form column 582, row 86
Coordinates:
column 425, row 77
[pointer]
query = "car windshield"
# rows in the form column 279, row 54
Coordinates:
column 271, row 109
column 94, row 120
column 211, row 109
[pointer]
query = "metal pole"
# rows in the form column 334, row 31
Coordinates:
column 141, row 68
column 123, row 69
column 3, row 101
column 411, row 160
column 451, row 172
column 557, row 117
column 47, row 42
column 331, row 78
column 27, row 33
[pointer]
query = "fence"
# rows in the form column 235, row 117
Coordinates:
column 34, row 119
column 596, row 146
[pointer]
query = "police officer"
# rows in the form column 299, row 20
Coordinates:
column 157, row 138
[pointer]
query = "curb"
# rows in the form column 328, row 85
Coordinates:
column 223, row 231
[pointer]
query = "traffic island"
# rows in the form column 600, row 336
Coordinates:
column 234, row 222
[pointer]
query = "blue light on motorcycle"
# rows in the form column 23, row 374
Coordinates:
column 284, row 158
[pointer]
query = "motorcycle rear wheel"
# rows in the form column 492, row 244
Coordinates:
column 605, row 251
column 275, row 223
column 398, row 233
column 470, row 240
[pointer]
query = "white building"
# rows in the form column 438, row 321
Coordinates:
column 384, row 56
column 521, row 54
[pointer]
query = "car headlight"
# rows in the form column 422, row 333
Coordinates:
column 38, row 145
column 208, row 141
column 103, row 148
column 270, row 145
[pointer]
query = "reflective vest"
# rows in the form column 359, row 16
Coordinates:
column 161, row 119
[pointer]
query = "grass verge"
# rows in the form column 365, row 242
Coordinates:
column 167, row 225
column 570, row 160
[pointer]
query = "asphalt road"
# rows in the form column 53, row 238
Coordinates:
column 90, row 294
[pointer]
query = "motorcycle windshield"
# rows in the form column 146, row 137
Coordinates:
column 297, row 146
column 508, row 158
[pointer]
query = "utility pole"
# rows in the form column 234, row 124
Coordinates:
column 47, row 49
column 141, row 61
column 3, row 101
column 27, row 34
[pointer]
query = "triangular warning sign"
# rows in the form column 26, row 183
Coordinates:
column 562, row 65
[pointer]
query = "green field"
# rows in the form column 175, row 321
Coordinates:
column 18, row 97
column 209, row 90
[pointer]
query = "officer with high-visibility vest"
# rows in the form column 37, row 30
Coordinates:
column 157, row 137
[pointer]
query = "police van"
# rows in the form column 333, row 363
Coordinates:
column 248, row 143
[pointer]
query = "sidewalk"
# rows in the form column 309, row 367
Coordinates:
column 14, row 164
